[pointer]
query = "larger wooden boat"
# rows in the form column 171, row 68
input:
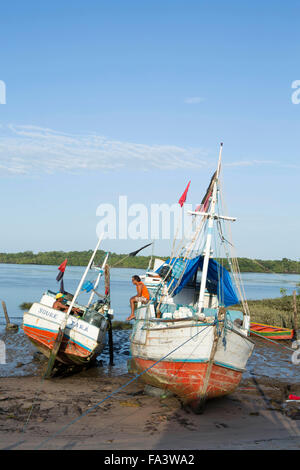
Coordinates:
column 186, row 339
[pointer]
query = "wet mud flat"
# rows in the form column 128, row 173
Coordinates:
column 82, row 411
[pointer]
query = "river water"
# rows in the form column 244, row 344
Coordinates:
column 26, row 283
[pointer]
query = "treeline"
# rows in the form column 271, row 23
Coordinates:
column 81, row 258
column 75, row 258
column 283, row 266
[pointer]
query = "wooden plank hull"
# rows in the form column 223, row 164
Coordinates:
column 69, row 352
column 180, row 352
column 271, row 332
column 81, row 342
column 185, row 379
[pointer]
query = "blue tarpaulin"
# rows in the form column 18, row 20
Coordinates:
column 218, row 278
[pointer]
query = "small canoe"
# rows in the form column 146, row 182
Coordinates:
column 271, row 332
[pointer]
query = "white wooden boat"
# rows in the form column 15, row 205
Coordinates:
column 83, row 339
column 187, row 339
column 83, row 334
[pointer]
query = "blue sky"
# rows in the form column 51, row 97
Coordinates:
column 109, row 98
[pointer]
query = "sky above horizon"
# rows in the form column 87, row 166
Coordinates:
column 113, row 98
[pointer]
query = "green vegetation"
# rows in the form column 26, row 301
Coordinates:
column 277, row 312
column 75, row 258
column 283, row 266
column 81, row 258
column 25, row 305
column 121, row 325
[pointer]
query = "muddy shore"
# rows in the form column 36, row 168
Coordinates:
column 256, row 416
column 47, row 414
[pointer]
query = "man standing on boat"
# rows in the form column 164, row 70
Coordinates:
column 142, row 295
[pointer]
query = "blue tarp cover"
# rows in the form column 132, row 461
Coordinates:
column 218, row 278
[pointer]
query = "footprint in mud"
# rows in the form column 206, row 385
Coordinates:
column 153, row 423
column 221, row 425
column 150, row 429
column 184, row 422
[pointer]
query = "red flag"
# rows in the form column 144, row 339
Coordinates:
column 294, row 397
column 183, row 197
column 63, row 265
column 61, row 268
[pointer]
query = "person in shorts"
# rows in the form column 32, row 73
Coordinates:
column 141, row 296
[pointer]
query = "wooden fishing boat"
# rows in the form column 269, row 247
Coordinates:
column 186, row 339
column 271, row 332
column 81, row 336
column 83, row 339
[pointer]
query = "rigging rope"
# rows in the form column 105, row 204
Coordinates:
column 272, row 341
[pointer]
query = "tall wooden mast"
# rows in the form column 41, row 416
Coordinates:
column 211, row 217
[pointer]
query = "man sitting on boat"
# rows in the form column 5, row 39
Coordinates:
column 60, row 304
column 142, row 295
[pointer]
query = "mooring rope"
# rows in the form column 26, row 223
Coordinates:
column 117, row 391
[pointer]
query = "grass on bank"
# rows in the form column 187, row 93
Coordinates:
column 25, row 305
column 277, row 312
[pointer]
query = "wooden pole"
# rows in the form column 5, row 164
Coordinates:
column 295, row 323
column 107, row 280
column 110, row 335
column 111, row 344
column 9, row 326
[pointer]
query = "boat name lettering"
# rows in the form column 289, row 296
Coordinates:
column 47, row 313
column 76, row 324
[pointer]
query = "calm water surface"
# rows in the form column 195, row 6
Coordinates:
column 26, row 283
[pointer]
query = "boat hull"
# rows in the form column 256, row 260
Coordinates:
column 180, row 357
column 186, row 379
column 81, row 342
column 270, row 332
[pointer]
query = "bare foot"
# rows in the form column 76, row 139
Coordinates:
column 131, row 317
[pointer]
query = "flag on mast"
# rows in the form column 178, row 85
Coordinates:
column 61, row 268
column 183, row 197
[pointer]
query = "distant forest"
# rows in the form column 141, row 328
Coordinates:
column 81, row 258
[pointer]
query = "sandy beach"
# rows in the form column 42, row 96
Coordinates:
column 256, row 416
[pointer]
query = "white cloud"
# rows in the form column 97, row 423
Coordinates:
column 33, row 150
column 193, row 100
column 255, row 162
